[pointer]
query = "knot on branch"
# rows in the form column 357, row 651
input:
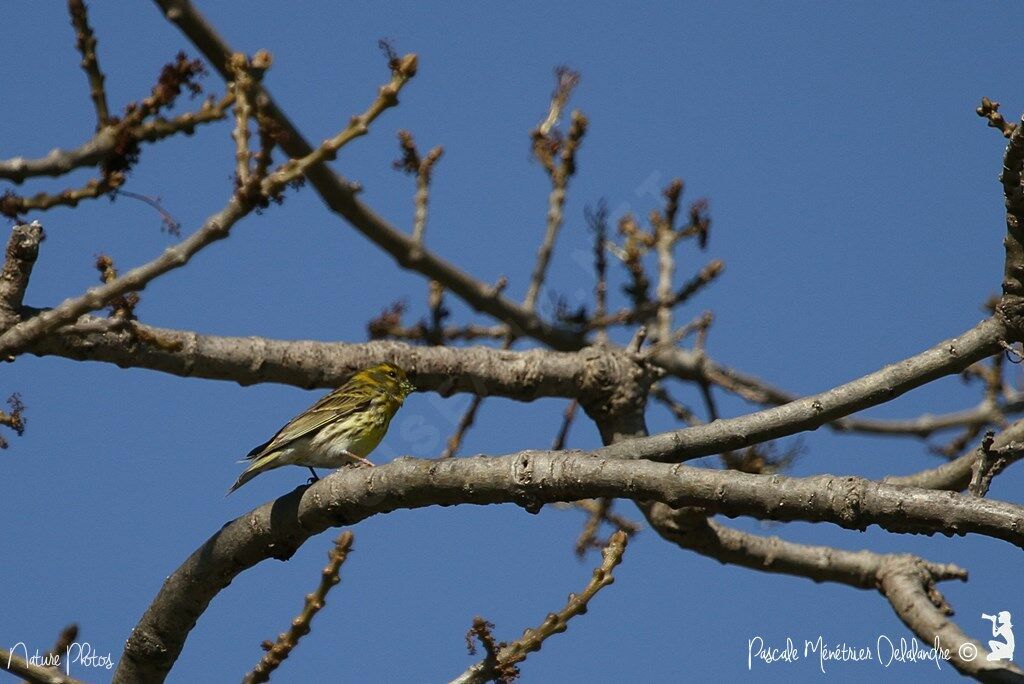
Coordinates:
column 1011, row 310
column 613, row 389
column 850, row 501
column 523, row 476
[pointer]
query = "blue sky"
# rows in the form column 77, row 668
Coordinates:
column 855, row 203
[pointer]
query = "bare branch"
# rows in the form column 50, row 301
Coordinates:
column 340, row 197
column 277, row 652
column 85, row 41
column 558, row 156
column 524, row 375
column 21, row 255
column 242, row 87
column 665, row 237
column 14, row 339
column 956, row 475
column 531, row 479
column 945, row 358
column 358, row 125
column 12, row 205
column 597, row 219
column 113, row 141
column 422, row 168
column 908, row 584
column 1013, row 276
column 502, row 667
column 36, row 674
column 563, row 432
column 465, row 422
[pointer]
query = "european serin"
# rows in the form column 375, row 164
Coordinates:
column 342, row 428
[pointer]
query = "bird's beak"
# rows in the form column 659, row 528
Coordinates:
column 408, row 387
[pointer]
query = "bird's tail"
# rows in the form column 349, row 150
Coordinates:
column 259, row 465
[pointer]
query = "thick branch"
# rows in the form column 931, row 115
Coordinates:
column 479, row 370
column 522, row 375
column 531, row 479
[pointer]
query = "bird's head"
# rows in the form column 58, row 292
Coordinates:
column 387, row 377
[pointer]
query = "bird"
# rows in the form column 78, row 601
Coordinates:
column 340, row 429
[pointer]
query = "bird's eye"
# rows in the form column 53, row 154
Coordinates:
column 391, row 372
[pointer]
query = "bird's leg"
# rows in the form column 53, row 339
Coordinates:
column 359, row 459
column 315, row 478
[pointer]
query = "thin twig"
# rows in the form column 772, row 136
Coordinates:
column 990, row 110
column 277, row 652
column 503, row 666
column 404, row 69
column 644, row 308
column 242, row 88
column 666, row 236
column 13, row 205
column 59, row 649
column 217, row 227
column 169, row 224
column 85, row 41
column 597, row 219
column 422, row 168
column 563, row 432
column 558, row 156
column 465, row 422
column 113, row 141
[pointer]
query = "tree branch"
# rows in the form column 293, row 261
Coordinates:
column 85, row 41
column 530, row 479
column 109, row 140
column 522, row 375
column 906, row 581
column 908, row 584
column 505, row 660
column 340, row 198
column 36, row 674
column 22, row 251
column 280, row 650
column 956, row 474
column 947, row 357
column 14, row 339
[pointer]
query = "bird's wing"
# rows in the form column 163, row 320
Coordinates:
column 331, row 407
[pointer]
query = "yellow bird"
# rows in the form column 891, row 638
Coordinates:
column 340, row 429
